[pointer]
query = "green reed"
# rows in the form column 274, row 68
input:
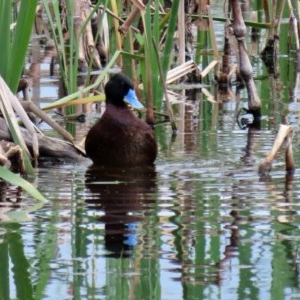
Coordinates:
column 15, row 40
column 159, row 29
column 15, row 31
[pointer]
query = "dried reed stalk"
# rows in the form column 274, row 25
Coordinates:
column 285, row 134
column 245, row 68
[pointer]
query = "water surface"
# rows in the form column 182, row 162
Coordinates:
column 201, row 225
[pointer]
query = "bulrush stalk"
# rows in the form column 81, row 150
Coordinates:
column 285, row 134
column 246, row 71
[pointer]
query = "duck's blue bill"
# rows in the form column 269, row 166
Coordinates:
column 132, row 99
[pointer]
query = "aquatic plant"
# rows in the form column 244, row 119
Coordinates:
column 15, row 31
column 155, row 30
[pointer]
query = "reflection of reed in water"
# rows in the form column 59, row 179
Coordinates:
column 123, row 195
column 10, row 201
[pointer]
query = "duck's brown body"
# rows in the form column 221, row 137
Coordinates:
column 120, row 139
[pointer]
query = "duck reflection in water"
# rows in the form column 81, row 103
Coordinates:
column 123, row 196
column 123, row 149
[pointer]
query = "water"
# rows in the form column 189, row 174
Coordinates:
column 202, row 225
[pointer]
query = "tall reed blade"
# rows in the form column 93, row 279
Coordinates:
column 170, row 37
column 5, row 21
column 20, row 37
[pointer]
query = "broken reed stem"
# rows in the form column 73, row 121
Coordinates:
column 289, row 156
column 126, row 25
column 245, row 67
column 180, row 71
column 285, row 133
column 30, row 106
column 108, row 11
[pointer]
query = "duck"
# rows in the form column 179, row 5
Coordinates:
column 120, row 138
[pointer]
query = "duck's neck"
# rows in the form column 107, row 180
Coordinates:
column 119, row 104
column 119, row 114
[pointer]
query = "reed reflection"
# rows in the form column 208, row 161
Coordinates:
column 248, row 217
column 124, row 195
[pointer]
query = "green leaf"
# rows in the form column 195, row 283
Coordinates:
column 5, row 17
column 20, row 40
column 19, row 181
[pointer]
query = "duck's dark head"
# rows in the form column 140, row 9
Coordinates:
column 119, row 91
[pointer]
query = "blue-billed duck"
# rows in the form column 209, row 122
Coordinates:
column 119, row 138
